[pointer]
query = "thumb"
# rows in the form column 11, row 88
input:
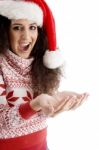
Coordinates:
column 48, row 109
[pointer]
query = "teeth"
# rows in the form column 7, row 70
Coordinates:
column 24, row 45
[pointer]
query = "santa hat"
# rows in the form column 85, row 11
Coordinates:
column 40, row 13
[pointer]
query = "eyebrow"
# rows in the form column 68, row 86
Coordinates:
column 22, row 24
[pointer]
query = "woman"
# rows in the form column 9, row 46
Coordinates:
column 29, row 75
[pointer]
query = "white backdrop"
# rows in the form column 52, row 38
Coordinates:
column 77, row 25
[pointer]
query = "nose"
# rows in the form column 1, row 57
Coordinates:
column 25, row 34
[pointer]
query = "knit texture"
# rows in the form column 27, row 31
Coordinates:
column 15, row 94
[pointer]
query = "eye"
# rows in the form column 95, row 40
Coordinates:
column 16, row 28
column 33, row 27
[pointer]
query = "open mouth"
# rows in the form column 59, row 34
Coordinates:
column 24, row 47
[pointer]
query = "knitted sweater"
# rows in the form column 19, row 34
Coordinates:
column 20, row 126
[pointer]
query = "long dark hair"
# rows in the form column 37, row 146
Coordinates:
column 44, row 80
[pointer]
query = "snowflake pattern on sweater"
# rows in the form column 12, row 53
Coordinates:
column 15, row 94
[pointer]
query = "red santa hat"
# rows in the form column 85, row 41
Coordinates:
column 40, row 13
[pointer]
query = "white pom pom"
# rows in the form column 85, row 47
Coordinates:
column 53, row 59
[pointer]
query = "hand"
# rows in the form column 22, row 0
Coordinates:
column 47, row 104
column 73, row 101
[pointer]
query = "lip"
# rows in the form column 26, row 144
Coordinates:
column 22, row 44
column 24, row 47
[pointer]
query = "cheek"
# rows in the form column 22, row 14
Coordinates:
column 34, row 39
column 35, row 34
column 13, row 42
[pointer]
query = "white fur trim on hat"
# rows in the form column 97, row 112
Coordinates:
column 21, row 10
column 53, row 59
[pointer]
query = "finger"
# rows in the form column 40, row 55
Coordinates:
column 68, row 102
column 67, row 106
column 48, row 109
column 60, row 106
column 71, row 102
column 83, row 98
column 80, row 100
column 61, row 103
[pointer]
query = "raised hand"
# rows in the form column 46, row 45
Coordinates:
column 48, row 104
column 57, row 103
column 73, row 101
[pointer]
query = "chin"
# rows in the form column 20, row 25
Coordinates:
column 25, row 56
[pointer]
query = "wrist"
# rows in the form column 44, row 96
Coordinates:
column 34, row 104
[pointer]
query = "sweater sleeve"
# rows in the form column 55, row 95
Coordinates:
column 13, row 116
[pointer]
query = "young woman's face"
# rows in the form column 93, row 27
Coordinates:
column 22, row 37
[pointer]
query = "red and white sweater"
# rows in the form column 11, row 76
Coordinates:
column 20, row 126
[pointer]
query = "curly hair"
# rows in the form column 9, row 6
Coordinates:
column 44, row 80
